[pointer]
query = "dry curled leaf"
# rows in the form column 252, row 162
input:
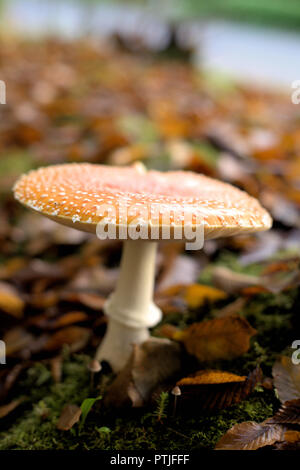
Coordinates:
column 251, row 436
column 286, row 379
column 220, row 338
column 289, row 413
column 150, row 364
column 70, row 415
column 214, row 389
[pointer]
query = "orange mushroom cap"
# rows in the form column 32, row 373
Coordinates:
column 75, row 195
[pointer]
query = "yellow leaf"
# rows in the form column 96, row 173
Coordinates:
column 205, row 377
column 197, row 295
column 10, row 301
column 220, row 338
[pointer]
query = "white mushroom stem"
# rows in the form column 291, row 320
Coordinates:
column 130, row 309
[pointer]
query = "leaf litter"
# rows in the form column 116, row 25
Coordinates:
column 54, row 280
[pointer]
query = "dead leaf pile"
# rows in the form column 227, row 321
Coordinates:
column 283, row 429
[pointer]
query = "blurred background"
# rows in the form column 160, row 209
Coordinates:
column 250, row 39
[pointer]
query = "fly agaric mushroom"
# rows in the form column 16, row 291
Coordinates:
column 140, row 207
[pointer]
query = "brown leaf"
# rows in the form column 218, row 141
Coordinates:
column 88, row 299
column 292, row 436
column 286, row 379
column 231, row 281
column 17, row 339
column 74, row 336
column 166, row 331
column 10, row 300
column 6, row 409
column 43, row 300
column 213, row 389
column 251, row 436
column 234, row 282
column 289, row 413
column 70, row 415
column 150, row 363
column 69, row 318
column 220, row 338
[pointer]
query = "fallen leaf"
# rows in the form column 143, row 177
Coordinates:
column 251, row 436
column 286, row 379
column 289, row 413
column 42, row 300
column 220, row 338
column 17, row 339
column 69, row 319
column 292, row 436
column 70, row 415
column 74, row 336
column 151, row 363
column 166, row 331
column 232, row 282
column 211, row 377
column 214, row 389
column 88, row 299
column 180, row 297
column 10, row 300
column 197, row 295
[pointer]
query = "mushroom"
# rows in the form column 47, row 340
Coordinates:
column 140, row 207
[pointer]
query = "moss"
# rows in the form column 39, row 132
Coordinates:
column 33, row 424
column 106, row 429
